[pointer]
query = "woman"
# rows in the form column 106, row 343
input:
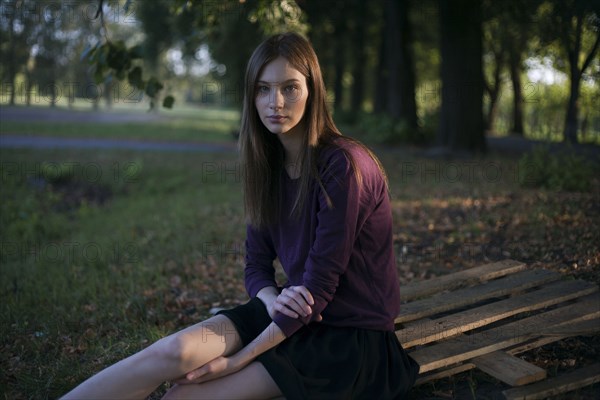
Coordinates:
column 319, row 203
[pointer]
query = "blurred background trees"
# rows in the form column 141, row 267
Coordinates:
column 439, row 72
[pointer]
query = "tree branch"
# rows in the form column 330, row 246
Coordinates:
column 590, row 56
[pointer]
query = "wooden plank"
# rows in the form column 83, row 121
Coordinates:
column 458, row 368
column 509, row 369
column 458, row 279
column 564, row 383
column 463, row 297
column 426, row 331
column 582, row 327
column 443, row 373
column 554, row 334
column 466, row 347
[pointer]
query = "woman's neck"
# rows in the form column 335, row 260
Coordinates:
column 292, row 145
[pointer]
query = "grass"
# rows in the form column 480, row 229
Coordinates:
column 183, row 124
column 84, row 285
column 96, row 266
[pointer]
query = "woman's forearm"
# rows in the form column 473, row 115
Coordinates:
column 268, row 339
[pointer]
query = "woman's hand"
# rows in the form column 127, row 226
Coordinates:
column 295, row 302
column 217, row 368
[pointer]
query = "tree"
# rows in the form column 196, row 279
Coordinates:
column 358, row 69
column 495, row 49
column 461, row 119
column 578, row 26
column 16, row 29
column 507, row 29
column 395, row 88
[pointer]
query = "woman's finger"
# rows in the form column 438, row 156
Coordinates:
column 305, row 294
column 295, row 298
column 286, row 301
column 283, row 309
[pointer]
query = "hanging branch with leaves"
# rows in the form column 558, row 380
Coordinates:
column 113, row 59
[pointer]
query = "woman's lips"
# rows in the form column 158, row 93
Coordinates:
column 276, row 118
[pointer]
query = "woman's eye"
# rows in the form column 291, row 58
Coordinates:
column 263, row 89
column 291, row 92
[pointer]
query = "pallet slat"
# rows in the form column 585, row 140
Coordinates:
column 553, row 386
column 507, row 307
column 586, row 327
column 509, row 369
column 426, row 331
column 443, row 373
column 463, row 297
column 466, row 347
column 455, row 280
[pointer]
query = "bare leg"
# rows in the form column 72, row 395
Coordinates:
column 252, row 382
column 136, row 377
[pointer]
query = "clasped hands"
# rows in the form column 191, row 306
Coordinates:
column 294, row 301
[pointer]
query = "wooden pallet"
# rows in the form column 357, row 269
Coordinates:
column 482, row 317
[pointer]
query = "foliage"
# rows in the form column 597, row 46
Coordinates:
column 562, row 171
column 114, row 60
column 383, row 129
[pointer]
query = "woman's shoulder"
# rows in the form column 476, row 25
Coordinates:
column 347, row 152
column 342, row 148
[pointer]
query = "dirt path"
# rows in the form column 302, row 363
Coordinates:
column 45, row 142
column 509, row 145
column 47, row 114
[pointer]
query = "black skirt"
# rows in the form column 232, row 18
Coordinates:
column 325, row 362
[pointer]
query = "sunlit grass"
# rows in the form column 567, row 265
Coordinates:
column 183, row 124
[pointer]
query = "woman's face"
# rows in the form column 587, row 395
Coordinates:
column 281, row 95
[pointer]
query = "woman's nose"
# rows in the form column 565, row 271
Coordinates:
column 275, row 98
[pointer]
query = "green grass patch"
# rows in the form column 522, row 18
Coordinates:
column 94, row 266
column 185, row 124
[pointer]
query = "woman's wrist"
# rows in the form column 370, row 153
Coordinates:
column 268, row 295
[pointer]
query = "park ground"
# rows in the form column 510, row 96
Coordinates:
column 109, row 243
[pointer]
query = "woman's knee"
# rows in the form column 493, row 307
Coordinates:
column 177, row 349
column 191, row 348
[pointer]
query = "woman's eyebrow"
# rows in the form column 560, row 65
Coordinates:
column 279, row 83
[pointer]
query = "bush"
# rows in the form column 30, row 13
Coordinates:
column 562, row 171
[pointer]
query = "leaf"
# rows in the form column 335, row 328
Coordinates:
column 153, row 87
column 136, row 52
column 135, row 78
column 168, row 102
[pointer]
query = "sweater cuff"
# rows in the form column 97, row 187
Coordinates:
column 256, row 287
column 288, row 325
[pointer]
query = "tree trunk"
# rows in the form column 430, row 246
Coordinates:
column 408, row 105
column 461, row 116
column 358, row 72
column 380, row 103
column 12, row 67
column 514, row 61
column 494, row 91
column 570, row 131
column 401, row 81
column 392, row 49
column 339, row 62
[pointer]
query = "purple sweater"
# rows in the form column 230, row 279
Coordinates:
column 343, row 255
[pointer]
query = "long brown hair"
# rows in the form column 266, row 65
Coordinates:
column 262, row 154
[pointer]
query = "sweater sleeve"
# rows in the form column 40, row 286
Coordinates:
column 260, row 253
column 337, row 221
